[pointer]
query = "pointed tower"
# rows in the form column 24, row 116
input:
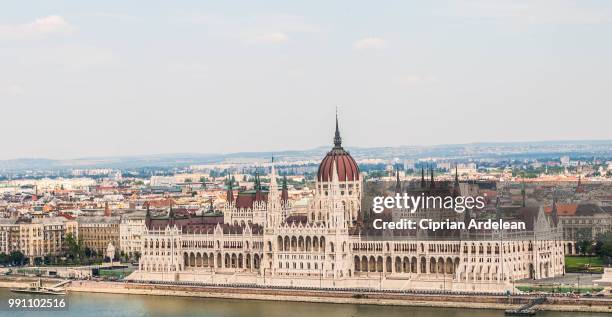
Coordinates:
column 422, row 177
column 273, row 190
column 523, row 193
column 432, row 182
column 230, row 191
column 258, row 193
column 347, row 173
column 398, row 183
column 171, row 216
column 285, row 192
column 337, row 138
column 553, row 213
column 456, row 186
column 579, row 186
column 274, row 205
column 148, row 217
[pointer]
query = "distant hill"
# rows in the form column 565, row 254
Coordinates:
column 513, row 150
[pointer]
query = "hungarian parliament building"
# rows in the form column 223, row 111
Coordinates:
column 260, row 240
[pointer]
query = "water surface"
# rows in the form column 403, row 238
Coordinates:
column 102, row 305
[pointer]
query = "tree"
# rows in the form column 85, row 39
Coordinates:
column 74, row 249
column 584, row 234
column 597, row 245
column 16, row 258
column 50, row 259
column 137, row 255
column 4, row 258
column 606, row 244
column 584, row 246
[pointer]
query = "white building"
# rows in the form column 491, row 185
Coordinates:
column 131, row 230
column 331, row 247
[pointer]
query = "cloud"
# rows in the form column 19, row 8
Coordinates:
column 416, row 79
column 195, row 69
column 369, row 43
column 114, row 15
column 270, row 38
column 69, row 58
column 15, row 90
column 528, row 11
column 49, row 25
column 268, row 28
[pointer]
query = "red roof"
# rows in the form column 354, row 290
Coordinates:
column 246, row 200
column 67, row 216
column 563, row 209
column 346, row 165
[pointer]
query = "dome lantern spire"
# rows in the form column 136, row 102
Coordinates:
column 346, row 166
column 337, row 138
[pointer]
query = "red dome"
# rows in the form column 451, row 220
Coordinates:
column 346, row 165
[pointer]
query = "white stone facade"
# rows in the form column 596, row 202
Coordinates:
column 322, row 253
column 131, row 230
column 269, row 245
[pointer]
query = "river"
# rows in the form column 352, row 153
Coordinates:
column 102, row 305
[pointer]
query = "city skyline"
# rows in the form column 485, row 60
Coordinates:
column 256, row 155
column 267, row 157
column 115, row 79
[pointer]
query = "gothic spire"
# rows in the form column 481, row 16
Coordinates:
column 456, row 175
column 456, row 188
column 337, row 138
column 433, row 184
column 553, row 213
column 398, row 183
column 148, row 217
column 230, row 190
column 285, row 191
column 273, row 184
column 257, row 184
column 422, row 177
column 523, row 193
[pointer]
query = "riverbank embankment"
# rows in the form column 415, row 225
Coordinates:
column 601, row 305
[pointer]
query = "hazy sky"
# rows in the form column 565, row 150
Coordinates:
column 115, row 78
